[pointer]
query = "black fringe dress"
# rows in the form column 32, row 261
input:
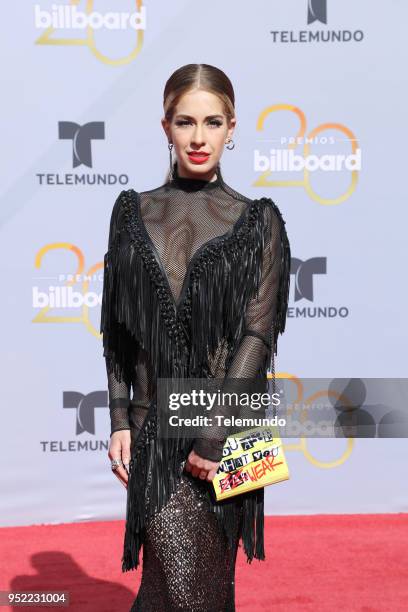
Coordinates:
column 196, row 284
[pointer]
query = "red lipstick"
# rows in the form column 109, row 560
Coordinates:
column 198, row 157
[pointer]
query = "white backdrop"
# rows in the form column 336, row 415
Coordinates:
column 81, row 121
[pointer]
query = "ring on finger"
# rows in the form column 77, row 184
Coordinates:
column 115, row 463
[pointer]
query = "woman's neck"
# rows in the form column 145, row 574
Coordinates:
column 193, row 182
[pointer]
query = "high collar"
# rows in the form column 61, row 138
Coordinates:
column 192, row 184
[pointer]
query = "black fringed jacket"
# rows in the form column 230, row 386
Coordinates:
column 196, row 284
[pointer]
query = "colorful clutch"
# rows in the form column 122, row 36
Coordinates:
column 251, row 459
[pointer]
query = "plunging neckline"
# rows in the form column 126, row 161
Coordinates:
column 177, row 303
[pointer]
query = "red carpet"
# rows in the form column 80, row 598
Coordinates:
column 319, row 563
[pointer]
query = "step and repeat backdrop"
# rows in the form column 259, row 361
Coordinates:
column 321, row 101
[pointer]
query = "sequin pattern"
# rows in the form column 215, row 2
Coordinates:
column 187, row 564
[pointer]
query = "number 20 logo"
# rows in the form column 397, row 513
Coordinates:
column 263, row 179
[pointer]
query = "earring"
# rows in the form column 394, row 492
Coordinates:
column 171, row 173
column 230, row 141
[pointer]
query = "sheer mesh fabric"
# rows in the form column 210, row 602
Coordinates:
column 179, row 219
column 256, row 346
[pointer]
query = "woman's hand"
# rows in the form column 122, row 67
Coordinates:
column 119, row 449
column 203, row 468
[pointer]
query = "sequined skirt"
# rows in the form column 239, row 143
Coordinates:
column 187, row 563
column 188, row 560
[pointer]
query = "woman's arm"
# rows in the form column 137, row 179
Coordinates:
column 119, row 384
column 265, row 318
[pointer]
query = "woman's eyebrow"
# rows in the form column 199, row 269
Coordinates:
column 190, row 117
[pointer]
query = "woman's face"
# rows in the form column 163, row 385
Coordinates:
column 198, row 130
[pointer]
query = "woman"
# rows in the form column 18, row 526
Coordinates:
column 196, row 285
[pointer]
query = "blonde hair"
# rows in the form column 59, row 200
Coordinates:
column 198, row 76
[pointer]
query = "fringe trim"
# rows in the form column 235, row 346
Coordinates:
column 138, row 310
column 229, row 267
column 117, row 344
column 253, row 526
column 155, row 470
column 284, row 281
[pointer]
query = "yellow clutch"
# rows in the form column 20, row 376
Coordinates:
column 251, row 459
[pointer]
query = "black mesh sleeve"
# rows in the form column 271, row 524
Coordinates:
column 265, row 317
column 118, row 389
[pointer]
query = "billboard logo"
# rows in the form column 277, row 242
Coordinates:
column 69, row 17
column 66, row 25
column 306, row 154
column 281, row 160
